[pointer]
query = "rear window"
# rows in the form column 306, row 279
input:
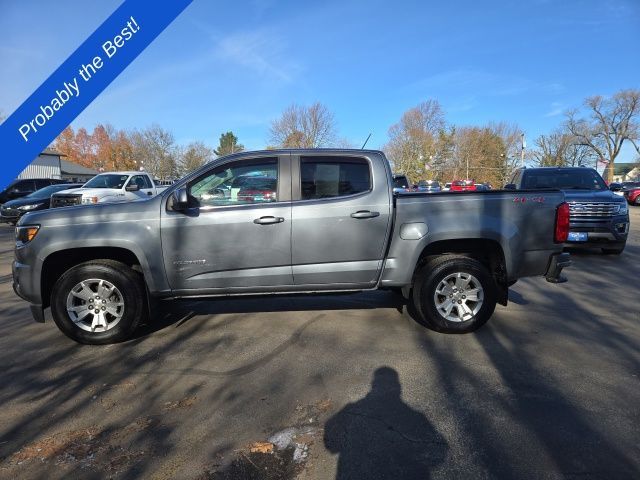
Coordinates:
column 333, row 177
column 586, row 179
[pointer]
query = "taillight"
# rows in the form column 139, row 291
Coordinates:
column 562, row 223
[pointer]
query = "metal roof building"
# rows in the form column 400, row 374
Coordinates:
column 49, row 164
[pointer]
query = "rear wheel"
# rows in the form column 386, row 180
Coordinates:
column 454, row 294
column 98, row 302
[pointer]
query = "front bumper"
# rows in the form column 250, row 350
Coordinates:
column 557, row 262
column 601, row 231
column 20, row 274
column 10, row 215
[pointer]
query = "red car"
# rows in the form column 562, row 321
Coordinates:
column 463, row 186
column 258, row 190
column 633, row 196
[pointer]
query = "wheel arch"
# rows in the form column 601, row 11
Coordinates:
column 487, row 251
column 58, row 262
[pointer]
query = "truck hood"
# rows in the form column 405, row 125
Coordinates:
column 592, row 196
column 95, row 214
column 92, row 192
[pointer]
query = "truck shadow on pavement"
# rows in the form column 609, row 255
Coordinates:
column 175, row 313
column 570, row 394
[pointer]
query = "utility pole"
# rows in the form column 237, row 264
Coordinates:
column 524, row 146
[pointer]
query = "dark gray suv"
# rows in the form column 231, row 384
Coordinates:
column 22, row 187
column 598, row 217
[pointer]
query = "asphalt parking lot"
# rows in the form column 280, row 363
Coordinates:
column 328, row 387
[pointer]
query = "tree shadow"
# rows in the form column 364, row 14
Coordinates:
column 380, row 436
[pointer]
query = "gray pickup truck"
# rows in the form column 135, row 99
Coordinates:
column 286, row 221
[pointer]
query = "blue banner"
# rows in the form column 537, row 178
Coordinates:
column 80, row 79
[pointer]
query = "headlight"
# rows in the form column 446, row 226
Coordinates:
column 26, row 233
column 624, row 209
column 29, row 207
column 89, row 200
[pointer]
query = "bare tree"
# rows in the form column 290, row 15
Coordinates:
column 610, row 122
column 509, row 158
column 562, row 149
column 154, row 150
column 487, row 153
column 194, row 156
column 414, row 140
column 304, row 127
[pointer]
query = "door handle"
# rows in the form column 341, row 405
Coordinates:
column 149, row 193
column 365, row 214
column 268, row 220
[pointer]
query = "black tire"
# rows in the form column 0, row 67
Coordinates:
column 613, row 251
column 428, row 279
column 129, row 286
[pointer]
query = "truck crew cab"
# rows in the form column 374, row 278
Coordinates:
column 283, row 221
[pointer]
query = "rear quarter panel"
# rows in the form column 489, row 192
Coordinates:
column 522, row 223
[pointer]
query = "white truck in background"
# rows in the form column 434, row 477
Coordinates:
column 109, row 188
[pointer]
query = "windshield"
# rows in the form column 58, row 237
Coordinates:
column 579, row 179
column 107, row 181
column 46, row 192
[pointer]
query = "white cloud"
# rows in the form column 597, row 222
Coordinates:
column 260, row 51
column 556, row 109
column 480, row 82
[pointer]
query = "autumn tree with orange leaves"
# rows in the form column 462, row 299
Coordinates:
column 104, row 149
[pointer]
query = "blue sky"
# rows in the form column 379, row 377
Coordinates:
column 236, row 65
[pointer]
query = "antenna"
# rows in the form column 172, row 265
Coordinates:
column 365, row 142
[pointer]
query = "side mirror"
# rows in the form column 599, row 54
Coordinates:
column 510, row 186
column 132, row 187
column 179, row 199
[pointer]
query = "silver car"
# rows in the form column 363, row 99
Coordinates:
column 429, row 186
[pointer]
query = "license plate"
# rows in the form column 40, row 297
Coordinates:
column 577, row 237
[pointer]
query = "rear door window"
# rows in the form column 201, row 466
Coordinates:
column 333, row 177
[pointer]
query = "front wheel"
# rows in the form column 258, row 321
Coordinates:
column 98, row 302
column 454, row 294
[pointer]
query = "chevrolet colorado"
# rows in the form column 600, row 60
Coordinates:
column 286, row 221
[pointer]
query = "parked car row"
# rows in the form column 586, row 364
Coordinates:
column 11, row 211
column 598, row 213
column 402, row 184
column 27, row 195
